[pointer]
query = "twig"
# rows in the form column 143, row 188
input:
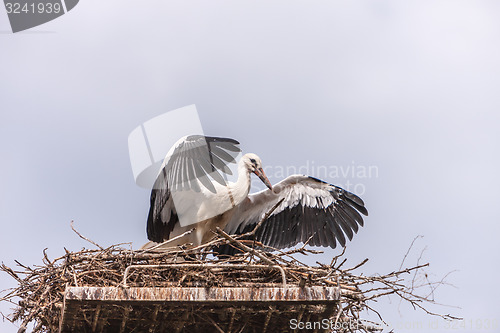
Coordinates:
column 357, row 266
column 409, row 249
column 85, row 238
column 167, row 241
column 243, row 247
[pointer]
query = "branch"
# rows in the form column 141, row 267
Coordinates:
column 85, row 238
column 243, row 247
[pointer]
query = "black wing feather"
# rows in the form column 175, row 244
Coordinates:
column 344, row 224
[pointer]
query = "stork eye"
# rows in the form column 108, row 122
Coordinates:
column 252, row 160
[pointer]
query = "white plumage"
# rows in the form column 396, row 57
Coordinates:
column 311, row 209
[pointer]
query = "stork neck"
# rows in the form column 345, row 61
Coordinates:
column 241, row 188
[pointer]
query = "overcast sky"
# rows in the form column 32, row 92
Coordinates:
column 409, row 89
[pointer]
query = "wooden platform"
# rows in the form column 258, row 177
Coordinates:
column 195, row 309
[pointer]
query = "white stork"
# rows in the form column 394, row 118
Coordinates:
column 311, row 209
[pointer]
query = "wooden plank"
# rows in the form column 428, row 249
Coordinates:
column 199, row 294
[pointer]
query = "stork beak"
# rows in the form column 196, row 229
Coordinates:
column 260, row 173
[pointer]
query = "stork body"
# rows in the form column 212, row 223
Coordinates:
column 311, row 210
column 235, row 193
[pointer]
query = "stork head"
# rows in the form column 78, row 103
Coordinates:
column 254, row 164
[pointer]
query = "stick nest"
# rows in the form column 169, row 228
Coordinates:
column 38, row 297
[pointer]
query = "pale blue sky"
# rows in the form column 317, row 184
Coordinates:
column 410, row 87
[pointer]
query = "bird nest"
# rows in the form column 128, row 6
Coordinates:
column 43, row 293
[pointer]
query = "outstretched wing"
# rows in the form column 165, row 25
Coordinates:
column 192, row 161
column 311, row 208
column 194, row 158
